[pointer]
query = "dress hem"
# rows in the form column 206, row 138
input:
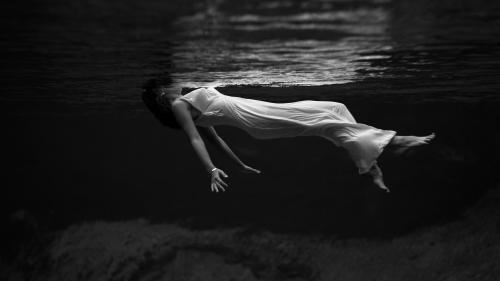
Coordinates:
column 382, row 146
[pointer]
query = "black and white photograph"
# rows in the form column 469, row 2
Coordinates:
column 250, row 140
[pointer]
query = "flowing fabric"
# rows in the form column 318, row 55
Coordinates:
column 267, row 120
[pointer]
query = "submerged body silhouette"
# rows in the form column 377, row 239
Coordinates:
column 207, row 107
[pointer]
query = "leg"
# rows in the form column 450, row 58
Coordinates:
column 378, row 179
column 403, row 143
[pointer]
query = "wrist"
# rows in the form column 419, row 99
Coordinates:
column 212, row 170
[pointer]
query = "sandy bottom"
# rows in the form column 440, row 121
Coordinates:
column 467, row 249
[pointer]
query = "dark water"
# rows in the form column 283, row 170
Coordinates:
column 79, row 144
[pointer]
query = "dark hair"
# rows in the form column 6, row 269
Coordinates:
column 157, row 104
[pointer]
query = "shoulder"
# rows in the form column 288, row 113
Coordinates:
column 196, row 91
column 179, row 105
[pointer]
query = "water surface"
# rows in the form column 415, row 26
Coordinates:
column 95, row 55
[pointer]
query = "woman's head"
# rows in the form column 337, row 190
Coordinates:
column 158, row 100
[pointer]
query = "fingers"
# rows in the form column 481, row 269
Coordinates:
column 218, row 183
column 216, row 186
column 223, row 173
column 217, row 178
column 255, row 170
column 250, row 169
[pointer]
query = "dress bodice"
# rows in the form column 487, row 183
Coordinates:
column 209, row 102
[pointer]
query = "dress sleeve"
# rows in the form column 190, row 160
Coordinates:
column 197, row 98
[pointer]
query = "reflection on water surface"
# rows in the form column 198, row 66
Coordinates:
column 302, row 43
column 95, row 55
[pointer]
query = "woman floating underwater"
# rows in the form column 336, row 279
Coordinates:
column 198, row 111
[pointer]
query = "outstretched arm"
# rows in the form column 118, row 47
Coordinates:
column 183, row 116
column 212, row 135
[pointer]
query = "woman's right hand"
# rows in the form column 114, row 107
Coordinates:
column 216, row 181
column 248, row 169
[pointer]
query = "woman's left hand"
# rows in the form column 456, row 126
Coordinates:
column 248, row 169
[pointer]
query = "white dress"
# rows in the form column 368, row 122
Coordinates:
column 266, row 120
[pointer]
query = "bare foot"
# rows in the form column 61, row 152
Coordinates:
column 403, row 143
column 378, row 179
